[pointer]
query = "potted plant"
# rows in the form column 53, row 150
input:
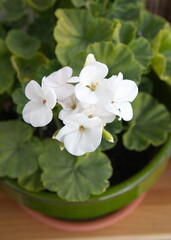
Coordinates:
column 98, row 81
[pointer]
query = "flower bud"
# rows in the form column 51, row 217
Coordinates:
column 108, row 136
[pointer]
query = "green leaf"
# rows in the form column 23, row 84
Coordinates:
column 127, row 10
column 74, row 178
column 161, row 62
column 32, row 182
column 150, row 124
column 19, row 153
column 142, row 51
column 40, row 5
column 19, row 98
column 76, row 29
column 27, row 68
column 80, row 3
column 11, row 10
column 42, row 27
column 2, row 32
column 151, row 25
column 118, row 58
column 146, row 84
column 78, row 65
column 124, row 31
column 21, row 44
column 6, row 69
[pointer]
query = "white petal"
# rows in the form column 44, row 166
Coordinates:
column 41, row 118
column 59, row 77
column 84, row 94
column 73, row 80
column 112, row 108
column 71, row 142
column 93, row 73
column 127, row 91
column 104, row 92
column 64, row 113
column 50, row 98
column 90, row 139
column 37, row 114
column 33, row 91
column 102, row 113
column 78, row 119
column 67, row 129
column 125, row 110
column 63, row 92
column 89, row 59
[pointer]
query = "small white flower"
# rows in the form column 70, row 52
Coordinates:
column 81, row 134
column 38, row 111
column 102, row 113
column 59, row 82
column 70, row 105
column 124, row 92
column 90, row 78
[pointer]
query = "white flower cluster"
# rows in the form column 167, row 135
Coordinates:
column 88, row 102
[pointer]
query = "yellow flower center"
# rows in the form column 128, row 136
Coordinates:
column 81, row 128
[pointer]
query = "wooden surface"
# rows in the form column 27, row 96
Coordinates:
column 152, row 220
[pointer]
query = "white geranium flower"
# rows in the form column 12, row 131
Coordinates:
column 87, row 90
column 70, row 105
column 38, row 111
column 81, row 134
column 102, row 113
column 59, row 82
column 124, row 92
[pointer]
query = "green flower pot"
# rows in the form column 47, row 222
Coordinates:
column 115, row 198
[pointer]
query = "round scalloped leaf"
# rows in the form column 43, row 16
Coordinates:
column 74, row 178
column 118, row 58
column 151, row 25
column 32, row 182
column 27, row 68
column 40, row 5
column 19, row 153
column 162, row 55
column 19, row 98
column 150, row 124
column 76, row 29
column 127, row 10
column 124, row 31
column 6, row 69
column 11, row 10
column 21, row 44
column 142, row 51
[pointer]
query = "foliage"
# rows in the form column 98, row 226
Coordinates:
column 39, row 37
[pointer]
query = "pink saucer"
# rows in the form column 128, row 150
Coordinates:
column 85, row 226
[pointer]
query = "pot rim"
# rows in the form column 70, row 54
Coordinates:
column 114, row 191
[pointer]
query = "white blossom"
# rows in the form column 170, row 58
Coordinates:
column 80, row 134
column 87, row 90
column 70, row 106
column 38, row 111
column 122, row 92
column 59, row 82
column 102, row 113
